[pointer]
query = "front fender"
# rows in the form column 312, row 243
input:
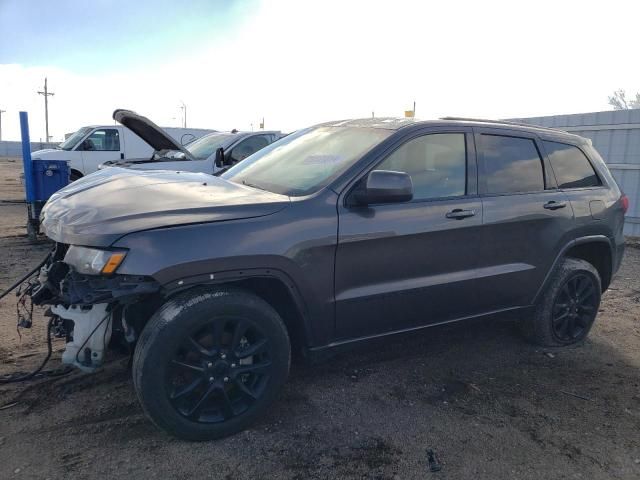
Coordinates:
column 297, row 245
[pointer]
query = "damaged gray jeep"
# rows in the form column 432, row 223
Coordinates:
column 339, row 233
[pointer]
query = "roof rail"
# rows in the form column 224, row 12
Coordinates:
column 506, row 122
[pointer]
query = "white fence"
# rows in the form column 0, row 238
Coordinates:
column 14, row 149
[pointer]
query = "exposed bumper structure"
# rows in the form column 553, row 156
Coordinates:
column 92, row 327
column 88, row 306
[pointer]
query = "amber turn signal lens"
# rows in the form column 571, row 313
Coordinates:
column 114, row 261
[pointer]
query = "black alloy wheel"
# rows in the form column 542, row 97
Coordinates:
column 574, row 308
column 567, row 307
column 210, row 362
column 219, row 370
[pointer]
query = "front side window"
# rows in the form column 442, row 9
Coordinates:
column 306, row 161
column 204, row 147
column 571, row 166
column 437, row 164
column 103, row 140
column 249, row 147
column 74, row 138
column 511, row 164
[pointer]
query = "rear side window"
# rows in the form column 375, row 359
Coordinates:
column 571, row 166
column 511, row 164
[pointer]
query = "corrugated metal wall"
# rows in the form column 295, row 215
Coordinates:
column 14, row 149
column 616, row 135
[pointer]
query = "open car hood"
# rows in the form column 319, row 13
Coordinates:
column 149, row 131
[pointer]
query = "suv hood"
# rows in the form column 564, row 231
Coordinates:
column 148, row 131
column 102, row 207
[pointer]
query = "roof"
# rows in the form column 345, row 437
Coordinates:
column 397, row 123
column 389, row 123
column 244, row 133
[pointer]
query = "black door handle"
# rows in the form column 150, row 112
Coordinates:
column 122, row 156
column 553, row 205
column 459, row 213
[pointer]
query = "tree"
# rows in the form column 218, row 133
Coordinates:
column 619, row 100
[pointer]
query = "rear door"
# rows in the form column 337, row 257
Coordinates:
column 527, row 220
column 404, row 265
column 577, row 178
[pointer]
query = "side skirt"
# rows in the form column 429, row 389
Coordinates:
column 320, row 354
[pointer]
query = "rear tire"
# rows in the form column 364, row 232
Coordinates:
column 74, row 175
column 210, row 362
column 568, row 307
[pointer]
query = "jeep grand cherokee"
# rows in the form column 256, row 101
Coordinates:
column 336, row 234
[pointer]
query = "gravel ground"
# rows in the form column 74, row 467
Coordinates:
column 489, row 404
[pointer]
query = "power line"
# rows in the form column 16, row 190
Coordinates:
column 46, row 94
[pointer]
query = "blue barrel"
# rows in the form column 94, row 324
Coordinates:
column 49, row 176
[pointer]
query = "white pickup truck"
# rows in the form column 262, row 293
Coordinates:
column 94, row 145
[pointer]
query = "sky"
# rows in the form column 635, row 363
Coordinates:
column 297, row 63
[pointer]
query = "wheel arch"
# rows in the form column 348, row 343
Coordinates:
column 599, row 254
column 595, row 249
column 75, row 174
column 273, row 286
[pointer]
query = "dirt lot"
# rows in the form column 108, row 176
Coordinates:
column 489, row 405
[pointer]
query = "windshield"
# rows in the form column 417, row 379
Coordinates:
column 74, row 138
column 206, row 146
column 304, row 162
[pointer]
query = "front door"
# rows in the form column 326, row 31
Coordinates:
column 404, row 265
column 102, row 145
column 527, row 220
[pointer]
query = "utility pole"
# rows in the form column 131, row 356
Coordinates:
column 183, row 107
column 46, row 94
column 1, row 112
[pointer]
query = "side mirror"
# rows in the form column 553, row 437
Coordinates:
column 219, row 161
column 385, row 186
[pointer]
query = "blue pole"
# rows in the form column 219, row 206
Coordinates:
column 26, row 157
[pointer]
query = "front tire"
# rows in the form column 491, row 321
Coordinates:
column 210, row 362
column 566, row 311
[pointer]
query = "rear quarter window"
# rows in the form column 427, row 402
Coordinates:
column 571, row 167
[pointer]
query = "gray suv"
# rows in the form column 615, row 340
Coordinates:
column 333, row 235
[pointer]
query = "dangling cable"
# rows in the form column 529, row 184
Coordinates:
column 20, row 377
column 13, row 378
column 19, row 282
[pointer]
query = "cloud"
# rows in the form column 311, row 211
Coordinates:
column 298, row 63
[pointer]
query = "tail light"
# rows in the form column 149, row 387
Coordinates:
column 625, row 203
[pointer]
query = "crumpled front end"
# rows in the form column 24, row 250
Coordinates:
column 87, row 308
